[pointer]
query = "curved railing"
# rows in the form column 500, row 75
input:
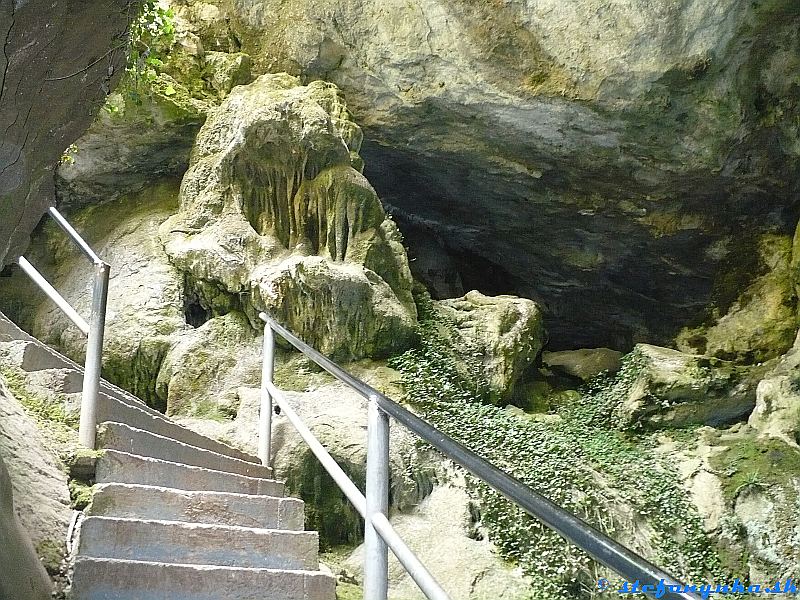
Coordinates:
column 379, row 535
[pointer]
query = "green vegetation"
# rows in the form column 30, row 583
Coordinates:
column 151, row 35
column 49, row 414
column 51, row 553
column 748, row 463
column 582, row 462
column 328, row 511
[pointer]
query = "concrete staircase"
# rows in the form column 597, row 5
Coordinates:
column 175, row 515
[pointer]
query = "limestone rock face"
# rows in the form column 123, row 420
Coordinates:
column 746, row 490
column 59, row 61
column 146, row 299
column 24, row 576
column 602, row 158
column 502, row 335
column 777, row 411
column 673, row 389
column 31, row 474
column 146, row 129
column 272, row 208
column 204, row 366
column 437, row 531
column 761, row 322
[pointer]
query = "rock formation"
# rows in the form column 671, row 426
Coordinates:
column 618, row 160
column 271, row 208
column 59, row 62
column 34, row 502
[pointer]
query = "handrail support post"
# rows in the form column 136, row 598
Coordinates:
column 94, row 356
column 376, row 551
column 265, row 411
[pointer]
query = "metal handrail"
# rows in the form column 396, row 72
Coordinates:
column 94, row 329
column 597, row 545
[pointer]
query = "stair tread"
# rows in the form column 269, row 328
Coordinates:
column 197, row 543
column 193, row 566
column 228, row 508
column 116, row 579
column 123, row 437
column 115, row 466
column 111, row 408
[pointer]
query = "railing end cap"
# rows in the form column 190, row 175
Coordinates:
column 263, row 316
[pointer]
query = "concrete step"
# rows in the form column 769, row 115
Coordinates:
column 121, row 467
column 118, row 436
column 118, row 410
column 197, row 544
column 59, row 381
column 107, row 579
column 215, row 508
column 32, row 356
column 49, row 369
column 9, row 330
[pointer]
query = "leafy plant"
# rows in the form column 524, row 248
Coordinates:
column 151, row 37
column 583, row 462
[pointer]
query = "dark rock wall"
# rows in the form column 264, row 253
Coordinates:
column 58, row 62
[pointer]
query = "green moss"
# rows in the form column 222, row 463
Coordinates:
column 349, row 591
column 752, row 462
column 51, row 553
column 80, row 494
column 328, row 511
column 61, row 427
column 208, row 409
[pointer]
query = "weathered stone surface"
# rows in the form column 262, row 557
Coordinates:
column 146, row 293
column 59, row 61
column 437, row 532
column 777, row 411
column 147, row 126
column 585, row 363
column 746, row 488
column 131, row 144
column 673, row 389
column 500, row 335
column 759, row 324
column 203, row 368
column 271, row 183
column 23, row 574
column 41, row 498
column 602, row 159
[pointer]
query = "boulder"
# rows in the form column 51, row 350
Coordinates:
column 673, row 389
column 585, row 363
column 499, row 337
column 272, row 209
